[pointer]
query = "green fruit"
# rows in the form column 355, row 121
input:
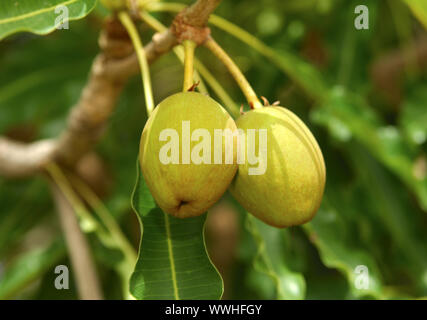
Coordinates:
column 290, row 191
column 185, row 183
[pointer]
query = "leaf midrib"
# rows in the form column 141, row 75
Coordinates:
column 171, row 258
column 34, row 13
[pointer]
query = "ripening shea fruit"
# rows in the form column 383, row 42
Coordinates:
column 188, row 153
column 290, row 190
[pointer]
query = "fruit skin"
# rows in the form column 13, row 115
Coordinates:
column 186, row 190
column 290, row 191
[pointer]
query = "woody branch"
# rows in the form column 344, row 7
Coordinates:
column 87, row 120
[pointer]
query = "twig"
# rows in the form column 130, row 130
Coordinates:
column 142, row 59
column 189, row 47
column 198, row 14
column 234, row 70
column 20, row 159
column 178, row 50
column 199, row 68
column 83, row 266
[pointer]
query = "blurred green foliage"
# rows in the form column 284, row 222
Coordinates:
column 369, row 116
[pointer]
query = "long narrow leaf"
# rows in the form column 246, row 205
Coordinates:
column 270, row 260
column 28, row 267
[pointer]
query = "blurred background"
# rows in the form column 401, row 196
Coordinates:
column 363, row 93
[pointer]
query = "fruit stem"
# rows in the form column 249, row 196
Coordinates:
column 218, row 89
column 189, row 47
column 284, row 61
column 155, row 24
column 165, row 6
column 142, row 59
column 244, row 85
column 199, row 68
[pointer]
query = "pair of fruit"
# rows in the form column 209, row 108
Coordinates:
column 288, row 193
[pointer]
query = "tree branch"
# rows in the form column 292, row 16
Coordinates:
column 85, row 125
column 197, row 15
column 20, row 159
column 88, row 118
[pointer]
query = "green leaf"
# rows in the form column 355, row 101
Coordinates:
column 413, row 118
column 17, row 198
column 419, row 9
column 173, row 262
column 60, row 67
column 392, row 206
column 28, row 267
column 39, row 17
column 385, row 142
column 270, row 260
column 328, row 233
column 345, row 114
column 359, row 216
